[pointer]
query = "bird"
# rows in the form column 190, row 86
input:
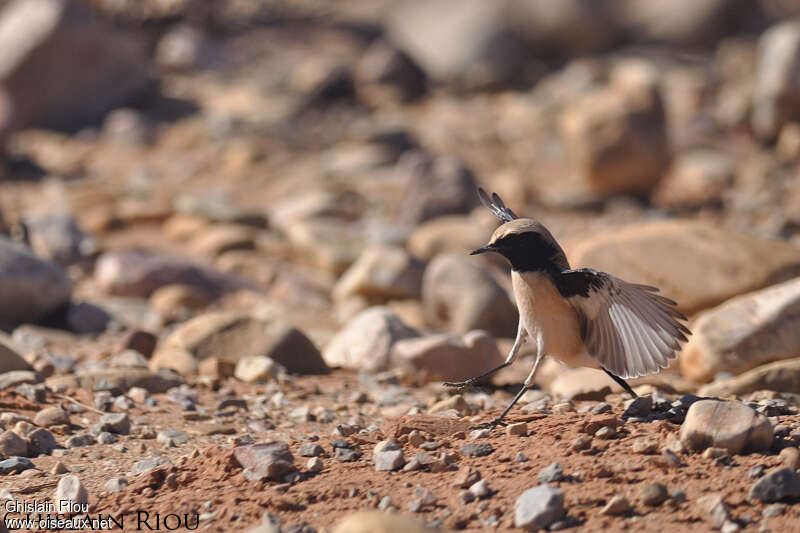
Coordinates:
column 582, row 317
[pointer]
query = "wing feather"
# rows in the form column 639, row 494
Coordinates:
column 496, row 206
column 629, row 329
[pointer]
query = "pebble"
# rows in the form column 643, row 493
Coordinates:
column 730, row 425
column 71, row 489
column 476, row 434
column 520, row 429
column 59, row 468
column 653, row 494
column 520, row 458
column 774, row 509
column 41, row 441
column 756, row 471
column 51, row 416
column 315, row 465
column 617, row 505
column 712, row 509
column 172, row 437
column 790, row 457
column 115, row 484
column 606, row 432
column 601, row 408
column 638, row 407
column 466, row 477
column 777, row 485
column 581, row 443
column 310, row 450
column 107, row 438
column 265, row 460
column 148, row 464
column 538, row 507
column 119, row 423
column 12, row 444
column 480, row 489
column 481, row 449
column 346, row 455
column 551, row 473
column 389, row 460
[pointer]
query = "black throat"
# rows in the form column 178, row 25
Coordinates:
column 529, row 252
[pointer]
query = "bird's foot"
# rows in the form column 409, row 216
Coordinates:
column 459, row 385
column 490, row 425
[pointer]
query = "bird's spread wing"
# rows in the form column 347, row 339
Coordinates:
column 496, row 206
column 629, row 329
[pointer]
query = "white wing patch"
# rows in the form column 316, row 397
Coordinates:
column 627, row 328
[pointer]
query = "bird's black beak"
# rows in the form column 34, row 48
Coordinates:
column 482, row 250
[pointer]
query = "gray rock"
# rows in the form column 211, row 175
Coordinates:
column 638, row 407
column 310, row 450
column 552, row 472
column 180, row 48
column 115, row 484
column 729, row 425
column 389, row 460
column 485, row 306
column 86, row 317
column 145, row 465
column 70, row 489
column 265, row 460
column 41, row 441
column 745, row 332
column 346, row 455
column 14, row 465
column 617, row 505
column 10, row 358
column 538, row 507
column 31, row 286
column 77, row 441
column 477, row 449
column 121, row 378
column 480, row 489
column 119, row 423
column 51, row 416
column 779, row 484
column 653, row 494
column 57, row 237
column 776, row 98
column 366, row 341
column 713, row 509
column 12, row 444
column 172, row 437
column 14, row 378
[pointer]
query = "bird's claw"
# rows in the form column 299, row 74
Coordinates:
column 460, row 386
column 490, row 425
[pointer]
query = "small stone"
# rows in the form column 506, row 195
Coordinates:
column 520, row 458
column 606, row 432
column 520, row 429
column 729, row 527
column 653, row 494
column 638, row 407
column 481, row 449
column 617, row 505
column 756, row 471
column 415, row 438
column 601, row 408
column 552, row 472
column 266, row 460
column 712, row 509
column 172, row 437
column 538, row 507
column 310, row 450
column 387, row 445
column 315, row 465
column 14, row 465
column 730, row 425
column 119, row 423
column 465, row 497
column 389, row 460
column 346, row 455
column 644, row 446
column 777, row 485
column 51, row 416
column 581, row 443
column 256, row 369
column 774, row 509
column 70, row 489
column 715, row 453
column 146, row 465
column 115, row 484
column 563, row 408
column 59, row 468
column 466, row 477
column 12, row 444
column 790, row 457
column 107, row 438
column 670, row 458
column 476, row 434
column 594, row 423
column 480, row 489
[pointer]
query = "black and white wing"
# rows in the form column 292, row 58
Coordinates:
column 496, row 206
column 629, row 329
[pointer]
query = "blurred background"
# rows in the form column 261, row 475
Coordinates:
column 311, row 159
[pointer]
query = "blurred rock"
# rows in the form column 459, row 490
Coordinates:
column 86, row 317
column 788, row 145
column 330, row 244
column 453, row 233
column 447, row 357
column 66, row 66
column 215, row 206
column 127, row 127
column 745, row 332
column 10, row 357
column 122, row 378
column 177, row 302
column 366, row 341
column 694, row 264
column 217, row 239
column 230, row 336
column 254, row 369
column 179, row 48
column 143, row 342
column 381, row 273
column 435, row 186
column 380, row 522
column 580, row 384
column 776, row 99
column 713, row 509
column 57, row 237
column 140, row 272
column 616, row 135
column 696, row 179
column 448, row 305
column 780, row 376
column 730, row 425
column 780, row 484
column 386, row 74
column 29, row 287
column 265, row 460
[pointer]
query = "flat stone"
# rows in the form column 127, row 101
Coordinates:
column 14, row 378
column 780, row 484
column 477, row 449
column 780, row 376
column 77, row 441
column 266, row 460
column 124, row 379
column 172, row 437
column 638, row 407
column 389, row 460
column 145, row 465
column 729, row 425
column 13, row 465
column 41, row 441
column 310, row 450
column 51, row 416
column 538, row 507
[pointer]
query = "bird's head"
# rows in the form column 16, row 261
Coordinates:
column 527, row 244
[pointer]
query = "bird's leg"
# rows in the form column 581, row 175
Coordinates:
column 512, row 355
column 621, row 382
column 525, row 386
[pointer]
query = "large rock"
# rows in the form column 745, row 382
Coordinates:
column 745, row 332
column 381, row 273
column 461, row 295
column 380, row 522
column 538, row 507
column 30, row 288
column 694, row 264
column 730, row 425
column 780, row 376
column 65, row 66
column 447, row 357
column 616, row 135
column 231, row 336
column 10, row 358
column 366, row 341
column 776, row 98
column 138, row 273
